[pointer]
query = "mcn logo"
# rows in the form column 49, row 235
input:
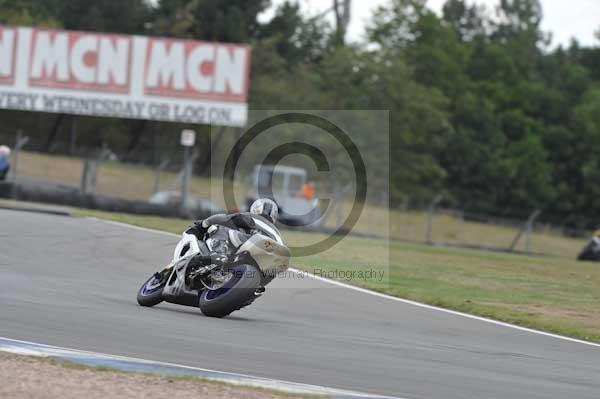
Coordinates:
column 80, row 61
column 107, row 63
column 193, row 68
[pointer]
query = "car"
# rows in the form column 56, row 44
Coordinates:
column 284, row 185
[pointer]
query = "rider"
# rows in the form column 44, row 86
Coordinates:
column 592, row 250
column 261, row 218
column 4, row 163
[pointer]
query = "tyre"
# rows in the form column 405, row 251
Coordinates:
column 238, row 292
column 150, row 293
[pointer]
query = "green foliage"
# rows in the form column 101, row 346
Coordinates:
column 123, row 16
column 28, row 13
column 298, row 39
column 228, row 21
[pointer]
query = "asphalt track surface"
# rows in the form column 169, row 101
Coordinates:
column 72, row 282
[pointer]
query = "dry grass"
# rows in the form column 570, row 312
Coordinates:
column 137, row 183
column 453, row 230
column 134, row 182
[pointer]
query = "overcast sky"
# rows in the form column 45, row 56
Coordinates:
column 564, row 18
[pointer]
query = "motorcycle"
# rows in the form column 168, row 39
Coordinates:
column 591, row 251
column 235, row 278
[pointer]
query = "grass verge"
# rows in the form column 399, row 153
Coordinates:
column 554, row 295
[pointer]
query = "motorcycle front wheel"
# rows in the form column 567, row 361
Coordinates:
column 150, row 293
column 237, row 292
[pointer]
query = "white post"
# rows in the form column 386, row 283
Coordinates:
column 188, row 139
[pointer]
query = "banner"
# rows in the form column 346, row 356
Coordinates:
column 123, row 76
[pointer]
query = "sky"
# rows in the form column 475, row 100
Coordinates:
column 564, row 18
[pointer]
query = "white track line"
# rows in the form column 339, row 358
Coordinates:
column 27, row 348
column 389, row 297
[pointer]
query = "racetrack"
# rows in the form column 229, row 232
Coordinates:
column 72, row 282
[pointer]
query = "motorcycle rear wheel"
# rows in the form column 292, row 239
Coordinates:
column 238, row 292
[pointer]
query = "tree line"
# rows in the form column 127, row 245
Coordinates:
column 482, row 109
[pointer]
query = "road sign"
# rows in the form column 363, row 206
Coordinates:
column 188, row 138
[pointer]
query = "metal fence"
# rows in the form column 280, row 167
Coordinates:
column 103, row 174
column 97, row 173
column 457, row 228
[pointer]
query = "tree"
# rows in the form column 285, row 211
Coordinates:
column 519, row 30
column 393, row 26
column 469, row 21
column 124, row 16
column 298, row 39
column 30, row 13
column 216, row 20
column 342, row 11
